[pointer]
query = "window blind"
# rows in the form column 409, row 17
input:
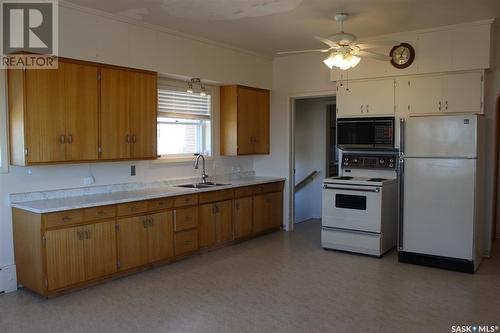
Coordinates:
column 180, row 104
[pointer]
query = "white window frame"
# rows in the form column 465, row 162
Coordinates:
column 182, row 86
column 4, row 155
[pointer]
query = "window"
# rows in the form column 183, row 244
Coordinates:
column 184, row 123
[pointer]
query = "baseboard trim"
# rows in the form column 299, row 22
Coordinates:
column 452, row 264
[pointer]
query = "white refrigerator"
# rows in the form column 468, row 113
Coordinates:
column 441, row 169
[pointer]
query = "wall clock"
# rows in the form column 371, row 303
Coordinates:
column 402, row 55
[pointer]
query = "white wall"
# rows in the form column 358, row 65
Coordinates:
column 293, row 76
column 311, row 146
column 88, row 35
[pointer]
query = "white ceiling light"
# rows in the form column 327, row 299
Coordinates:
column 193, row 83
column 342, row 61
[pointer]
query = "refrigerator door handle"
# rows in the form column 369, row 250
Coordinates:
column 402, row 128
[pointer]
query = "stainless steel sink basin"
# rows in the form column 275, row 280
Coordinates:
column 202, row 185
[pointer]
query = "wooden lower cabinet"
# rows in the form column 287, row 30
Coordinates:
column 144, row 239
column 267, row 211
column 64, row 250
column 80, row 253
column 215, row 223
column 243, row 217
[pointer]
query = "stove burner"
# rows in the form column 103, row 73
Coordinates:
column 343, row 178
column 377, row 179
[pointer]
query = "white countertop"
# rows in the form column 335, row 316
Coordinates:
column 72, row 201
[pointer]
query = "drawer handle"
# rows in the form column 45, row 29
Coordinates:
column 145, row 223
column 66, row 219
column 80, row 235
column 87, row 234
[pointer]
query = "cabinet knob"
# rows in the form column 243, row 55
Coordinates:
column 367, row 108
column 361, row 108
column 134, row 138
column 70, row 139
column 62, row 139
column 439, row 106
column 127, row 138
column 79, row 234
column 446, row 105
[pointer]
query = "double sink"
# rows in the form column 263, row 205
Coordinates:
column 202, row 185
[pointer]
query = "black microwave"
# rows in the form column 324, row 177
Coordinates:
column 365, row 133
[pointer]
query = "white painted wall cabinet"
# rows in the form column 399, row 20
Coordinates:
column 365, row 98
column 440, row 94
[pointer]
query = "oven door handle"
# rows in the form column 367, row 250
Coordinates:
column 376, row 190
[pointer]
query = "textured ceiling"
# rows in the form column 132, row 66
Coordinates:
column 268, row 26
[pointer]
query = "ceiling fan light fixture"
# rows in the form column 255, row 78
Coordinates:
column 342, row 61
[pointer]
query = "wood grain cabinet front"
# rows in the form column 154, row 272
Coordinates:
column 244, row 121
column 81, row 111
column 79, row 254
column 267, row 211
column 215, row 223
column 144, row 239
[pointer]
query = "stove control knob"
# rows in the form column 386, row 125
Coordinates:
column 346, row 163
column 354, row 160
column 391, row 165
column 391, row 160
column 381, row 161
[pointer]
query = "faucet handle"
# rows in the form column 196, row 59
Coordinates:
column 196, row 154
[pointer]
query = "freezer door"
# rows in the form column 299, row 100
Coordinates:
column 441, row 136
column 438, row 208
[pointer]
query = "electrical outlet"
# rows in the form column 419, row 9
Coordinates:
column 132, row 170
column 88, row 180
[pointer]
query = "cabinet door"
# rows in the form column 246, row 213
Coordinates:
column 242, row 217
column 267, row 211
column 426, row 94
column 434, row 51
column 65, row 257
column 224, row 221
column 206, row 225
column 379, row 98
column 45, row 115
column 462, row 93
column 275, row 206
column 142, row 103
column 161, row 236
column 100, row 249
column 132, row 242
column 261, row 129
column 351, row 99
column 115, row 123
column 247, row 122
column 81, row 105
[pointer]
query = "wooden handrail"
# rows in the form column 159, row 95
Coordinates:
column 305, row 181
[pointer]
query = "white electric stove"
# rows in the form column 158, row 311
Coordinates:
column 360, row 207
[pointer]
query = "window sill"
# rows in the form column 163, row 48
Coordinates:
column 177, row 160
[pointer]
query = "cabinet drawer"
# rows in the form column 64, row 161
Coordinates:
column 246, row 191
column 186, row 200
column 186, row 218
column 158, row 204
column 65, row 218
column 214, row 196
column 99, row 213
column 266, row 188
column 186, row 242
column 132, row 208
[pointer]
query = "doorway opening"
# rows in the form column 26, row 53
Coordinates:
column 315, row 155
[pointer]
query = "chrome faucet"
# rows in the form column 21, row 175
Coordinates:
column 204, row 175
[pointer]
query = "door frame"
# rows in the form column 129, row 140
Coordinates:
column 496, row 173
column 291, row 176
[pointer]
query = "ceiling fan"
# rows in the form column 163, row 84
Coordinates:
column 345, row 51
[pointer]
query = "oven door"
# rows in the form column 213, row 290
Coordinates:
column 352, row 207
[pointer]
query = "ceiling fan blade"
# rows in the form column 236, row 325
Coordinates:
column 304, row 51
column 368, row 54
column 377, row 44
column 328, row 42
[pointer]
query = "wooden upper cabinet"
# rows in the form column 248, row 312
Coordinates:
column 115, row 119
column 244, row 121
column 143, row 114
column 128, row 114
column 69, row 115
column 45, row 115
column 81, row 106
